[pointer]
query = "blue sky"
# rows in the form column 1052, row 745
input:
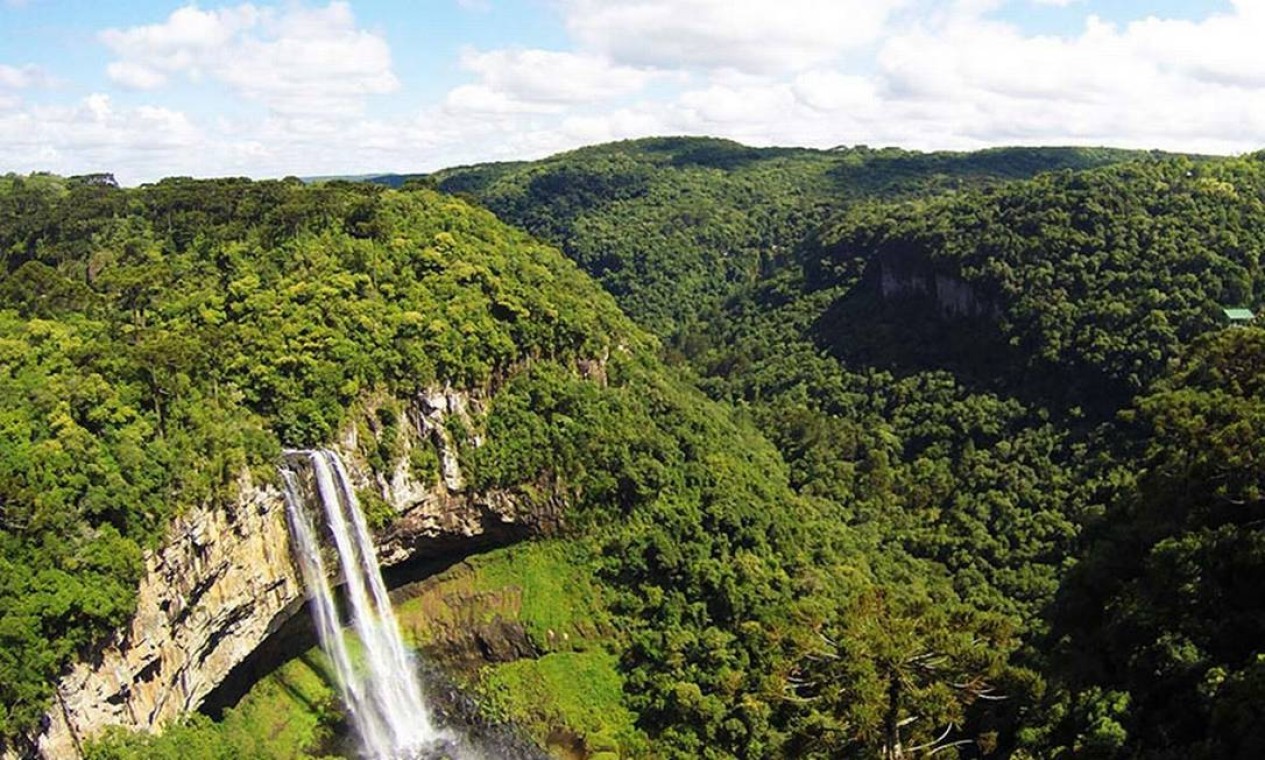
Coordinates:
column 150, row 89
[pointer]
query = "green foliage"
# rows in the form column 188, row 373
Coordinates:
column 939, row 377
column 195, row 739
column 891, row 671
column 231, row 316
column 982, row 482
column 719, row 573
column 1166, row 607
column 559, row 595
column 289, row 715
column 579, row 690
column 671, row 226
column 157, row 342
column 696, row 528
column 940, row 374
column 1092, row 280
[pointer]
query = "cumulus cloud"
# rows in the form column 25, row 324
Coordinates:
column 15, row 79
column 1161, row 83
column 297, row 61
column 930, row 74
column 935, row 75
column 749, row 35
column 828, row 91
column 480, row 99
column 547, row 76
column 136, row 76
column 94, row 134
column 959, row 79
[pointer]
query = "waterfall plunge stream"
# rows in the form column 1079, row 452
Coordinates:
column 379, row 687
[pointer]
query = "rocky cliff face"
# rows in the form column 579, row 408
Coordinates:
column 224, row 581
column 907, row 275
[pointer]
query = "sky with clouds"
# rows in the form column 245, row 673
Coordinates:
column 148, row 89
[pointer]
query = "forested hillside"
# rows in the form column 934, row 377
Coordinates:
column 978, row 473
column 672, row 225
column 1158, row 630
column 954, row 374
column 160, row 341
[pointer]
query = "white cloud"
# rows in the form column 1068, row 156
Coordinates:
column 22, row 77
column 93, row 134
column 748, row 35
column 187, row 41
column 956, row 79
column 1157, row 83
column 828, row 91
column 950, row 78
column 135, row 76
column 618, row 125
column 532, row 102
column 928, row 74
column 546, row 76
column 480, row 99
column 299, row 62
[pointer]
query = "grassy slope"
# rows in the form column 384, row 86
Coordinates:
column 575, row 687
column 290, row 715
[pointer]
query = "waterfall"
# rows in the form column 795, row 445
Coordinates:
column 379, row 683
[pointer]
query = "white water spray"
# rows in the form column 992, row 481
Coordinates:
column 380, row 687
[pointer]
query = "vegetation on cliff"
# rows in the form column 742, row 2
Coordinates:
column 161, row 339
column 157, row 341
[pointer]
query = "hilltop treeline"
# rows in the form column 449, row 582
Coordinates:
column 670, row 226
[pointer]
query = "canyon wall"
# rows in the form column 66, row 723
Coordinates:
column 909, row 275
column 224, row 580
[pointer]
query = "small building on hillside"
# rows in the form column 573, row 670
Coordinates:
column 1239, row 316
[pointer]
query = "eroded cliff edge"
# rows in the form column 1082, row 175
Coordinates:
column 224, row 579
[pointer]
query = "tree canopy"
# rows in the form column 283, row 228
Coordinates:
column 910, row 453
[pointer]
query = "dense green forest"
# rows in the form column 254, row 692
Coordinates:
column 1002, row 422
column 159, row 341
column 979, row 473
column 673, row 225
column 954, row 373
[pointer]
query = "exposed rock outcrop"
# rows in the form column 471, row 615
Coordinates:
column 224, row 580
column 905, row 275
